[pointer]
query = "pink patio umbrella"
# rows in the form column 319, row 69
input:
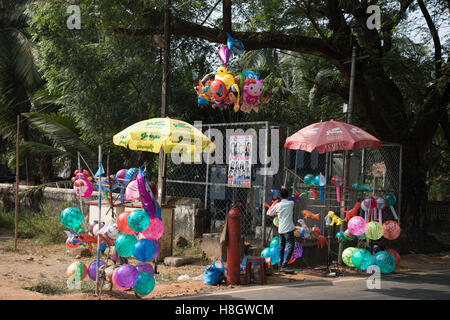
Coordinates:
column 331, row 136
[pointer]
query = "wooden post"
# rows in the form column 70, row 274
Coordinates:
column 16, row 217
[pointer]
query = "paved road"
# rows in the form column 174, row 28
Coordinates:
column 432, row 285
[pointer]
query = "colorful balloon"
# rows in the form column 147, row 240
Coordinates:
column 144, row 250
column 132, row 191
column 385, row 261
column 347, row 256
column 265, row 252
column 276, row 222
column 310, row 182
column 145, row 267
column 274, row 242
column 92, row 270
column 71, row 217
column 337, row 181
column 125, row 276
column 113, row 231
column 340, row 237
column 396, row 257
column 145, row 284
column 138, row 220
column 321, row 181
column 224, row 54
column 122, row 223
column 77, row 270
column 374, row 230
column 234, row 45
column 154, row 230
column 361, row 259
column 120, row 177
column 390, row 202
column 124, row 244
column 83, row 188
column 391, row 230
column 356, row 225
column 145, row 194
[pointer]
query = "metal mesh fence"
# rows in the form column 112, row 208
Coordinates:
column 272, row 166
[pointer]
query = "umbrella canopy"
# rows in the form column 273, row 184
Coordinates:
column 331, row 136
column 173, row 136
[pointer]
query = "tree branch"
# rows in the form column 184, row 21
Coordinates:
column 434, row 34
column 251, row 40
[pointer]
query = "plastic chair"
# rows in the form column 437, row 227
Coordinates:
column 262, row 270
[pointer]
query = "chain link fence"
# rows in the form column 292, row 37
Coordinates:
column 272, row 165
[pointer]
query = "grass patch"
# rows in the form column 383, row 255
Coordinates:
column 60, row 287
column 44, row 226
column 191, row 251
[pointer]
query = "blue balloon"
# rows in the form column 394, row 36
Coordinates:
column 234, row 45
column 274, row 254
column 250, row 74
column 144, row 250
column 102, row 247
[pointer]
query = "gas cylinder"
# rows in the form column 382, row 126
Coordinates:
column 233, row 246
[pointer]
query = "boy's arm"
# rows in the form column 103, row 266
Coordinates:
column 273, row 210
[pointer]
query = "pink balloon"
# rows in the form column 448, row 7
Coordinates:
column 155, row 229
column 132, row 191
column 356, row 225
column 83, row 188
column 224, row 54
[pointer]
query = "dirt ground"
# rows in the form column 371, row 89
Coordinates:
column 34, row 264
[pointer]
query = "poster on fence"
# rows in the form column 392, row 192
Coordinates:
column 240, row 161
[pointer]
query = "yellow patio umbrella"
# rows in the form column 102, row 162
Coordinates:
column 173, row 136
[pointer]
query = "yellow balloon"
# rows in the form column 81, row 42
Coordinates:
column 275, row 221
column 225, row 77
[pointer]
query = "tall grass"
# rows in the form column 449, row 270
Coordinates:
column 44, row 225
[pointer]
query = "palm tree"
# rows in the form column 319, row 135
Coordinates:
column 19, row 76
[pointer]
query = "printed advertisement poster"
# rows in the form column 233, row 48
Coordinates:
column 240, row 161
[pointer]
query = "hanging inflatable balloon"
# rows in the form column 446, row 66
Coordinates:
column 356, row 225
column 125, row 276
column 361, row 259
column 391, row 230
column 122, row 223
column 310, row 182
column 347, row 256
column 145, row 284
column 374, row 230
column 320, row 181
column 132, row 191
column 385, row 261
column 337, row 181
column 71, row 217
column 144, row 250
column 145, row 267
column 235, row 46
column 154, row 230
column 145, row 194
column 138, row 220
column 390, row 202
column 124, row 245
column 224, row 54
column 77, row 271
column 396, row 257
column 92, row 269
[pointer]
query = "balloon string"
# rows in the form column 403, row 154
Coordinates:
column 394, row 213
column 338, row 194
column 380, row 213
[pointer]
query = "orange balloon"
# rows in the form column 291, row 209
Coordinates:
column 122, row 223
column 391, row 230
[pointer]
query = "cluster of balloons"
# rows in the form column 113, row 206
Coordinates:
column 387, row 260
column 243, row 91
column 321, row 181
column 273, row 251
column 82, row 184
column 140, row 277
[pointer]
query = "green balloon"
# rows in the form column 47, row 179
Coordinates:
column 310, row 180
column 144, row 284
column 390, row 199
column 374, row 230
column 361, row 259
column 385, row 261
column 71, row 218
column 138, row 220
column 347, row 256
column 124, row 244
column 274, row 242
